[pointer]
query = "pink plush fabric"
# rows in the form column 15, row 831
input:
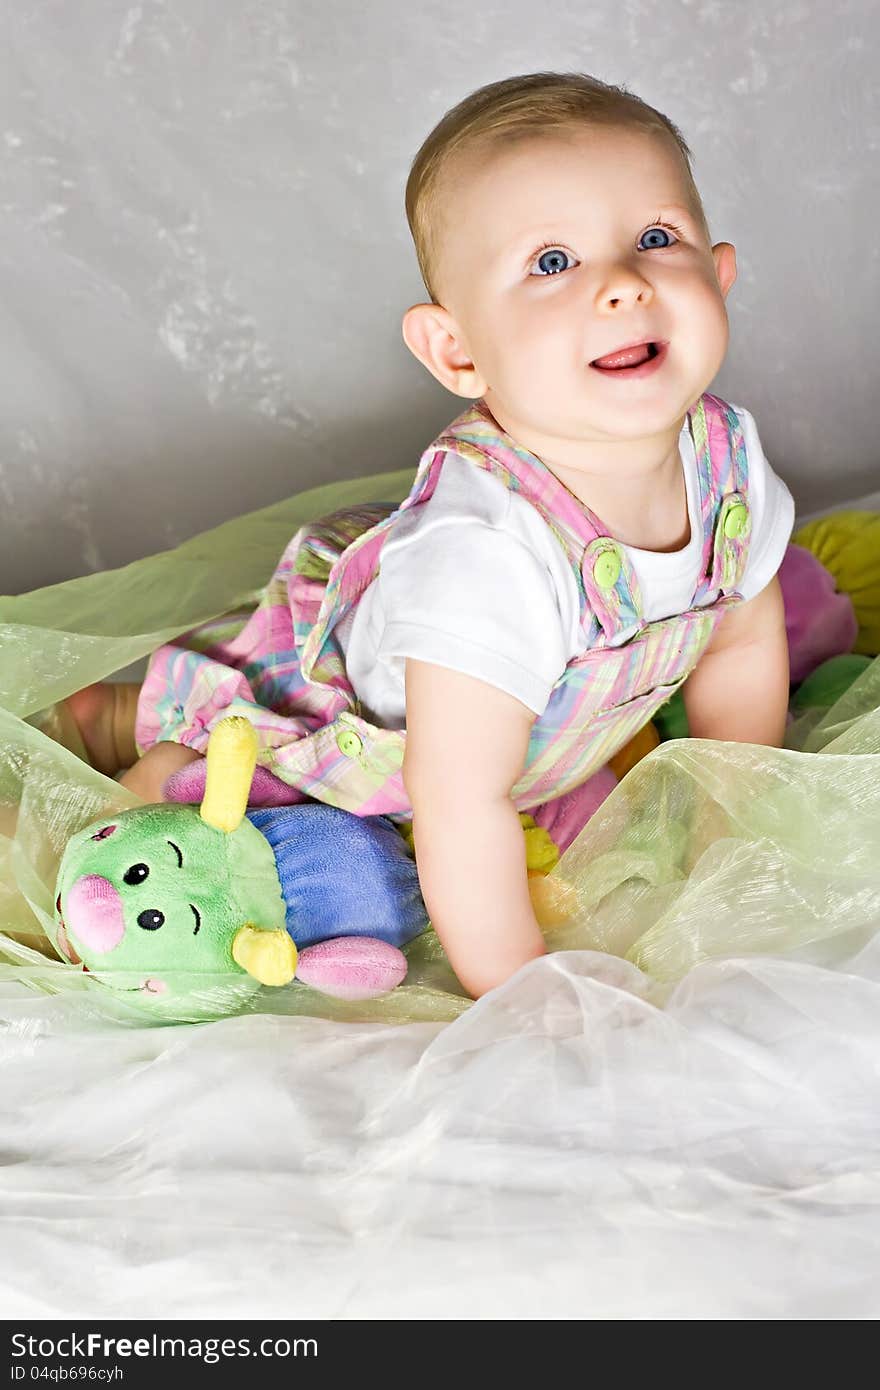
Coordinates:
column 820, row 622
column 352, row 967
column 565, row 818
column 188, row 784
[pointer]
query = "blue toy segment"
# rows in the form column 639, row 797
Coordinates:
column 342, row 874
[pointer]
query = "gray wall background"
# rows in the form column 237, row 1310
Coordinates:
column 204, row 256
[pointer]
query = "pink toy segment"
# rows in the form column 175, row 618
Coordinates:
column 820, row 622
column 93, row 912
column 352, row 967
column 188, row 784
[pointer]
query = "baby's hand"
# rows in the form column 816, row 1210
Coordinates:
column 148, row 776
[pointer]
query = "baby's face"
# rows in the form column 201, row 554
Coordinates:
column 554, row 253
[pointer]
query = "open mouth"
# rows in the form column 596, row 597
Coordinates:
column 636, row 361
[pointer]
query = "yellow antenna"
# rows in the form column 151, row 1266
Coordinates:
column 232, row 757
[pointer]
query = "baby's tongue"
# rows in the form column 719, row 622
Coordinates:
column 631, row 357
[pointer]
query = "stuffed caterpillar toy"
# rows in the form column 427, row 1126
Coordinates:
column 182, row 906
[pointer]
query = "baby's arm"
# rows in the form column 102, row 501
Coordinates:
column 466, row 745
column 739, row 689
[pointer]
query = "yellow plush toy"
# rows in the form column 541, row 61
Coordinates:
column 847, row 543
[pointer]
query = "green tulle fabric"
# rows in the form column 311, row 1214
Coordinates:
column 704, row 850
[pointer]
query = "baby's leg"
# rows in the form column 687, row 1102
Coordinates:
column 104, row 714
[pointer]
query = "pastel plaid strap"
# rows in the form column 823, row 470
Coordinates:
column 722, row 468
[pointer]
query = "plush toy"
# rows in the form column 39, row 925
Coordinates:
column 820, row 621
column 847, row 544
column 182, row 906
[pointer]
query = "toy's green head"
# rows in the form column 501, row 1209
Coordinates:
column 179, row 906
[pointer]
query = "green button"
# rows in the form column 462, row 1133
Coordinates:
column 606, row 570
column 735, row 521
column 348, row 743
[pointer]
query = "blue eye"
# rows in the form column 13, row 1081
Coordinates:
column 655, row 231
column 550, row 258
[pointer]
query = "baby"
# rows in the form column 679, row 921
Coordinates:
column 595, row 531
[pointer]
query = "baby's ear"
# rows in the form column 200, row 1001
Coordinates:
column 725, row 265
column 433, row 336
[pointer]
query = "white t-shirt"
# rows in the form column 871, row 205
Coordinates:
column 475, row 580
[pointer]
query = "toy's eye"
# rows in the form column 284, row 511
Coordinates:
column 151, row 920
column 136, row 874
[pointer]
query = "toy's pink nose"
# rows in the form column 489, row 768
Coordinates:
column 93, row 912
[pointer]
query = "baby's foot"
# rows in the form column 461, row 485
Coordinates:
column 104, row 715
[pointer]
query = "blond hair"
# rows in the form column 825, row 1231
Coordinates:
column 517, row 108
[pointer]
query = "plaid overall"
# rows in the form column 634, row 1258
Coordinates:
column 281, row 666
